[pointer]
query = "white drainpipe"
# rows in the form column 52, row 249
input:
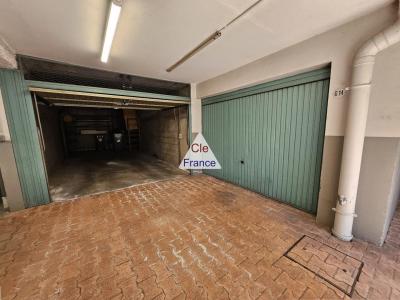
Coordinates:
column 355, row 128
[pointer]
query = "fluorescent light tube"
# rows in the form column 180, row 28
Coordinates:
column 112, row 23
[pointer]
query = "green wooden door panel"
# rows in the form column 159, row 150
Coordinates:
column 269, row 138
column 24, row 137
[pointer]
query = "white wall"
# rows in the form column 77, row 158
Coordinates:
column 4, row 132
column 195, row 109
column 384, row 109
column 337, row 46
column 7, row 55
column 379, row 188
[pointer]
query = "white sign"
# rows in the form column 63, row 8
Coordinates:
column 199, row 156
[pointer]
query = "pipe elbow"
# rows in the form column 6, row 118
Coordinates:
column 367, row 50
column 392, row 33
column 381, row 41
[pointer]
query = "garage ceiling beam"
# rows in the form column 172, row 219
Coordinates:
column 72, row 89
column 106, row 102
column 107, row 96
column 106, row 106
column 46, row 70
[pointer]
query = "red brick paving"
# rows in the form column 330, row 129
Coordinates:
column 193, row 237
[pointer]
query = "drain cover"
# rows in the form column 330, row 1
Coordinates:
column 333, row 266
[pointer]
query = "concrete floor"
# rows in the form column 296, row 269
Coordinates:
column 192, row 237
column 92, row 173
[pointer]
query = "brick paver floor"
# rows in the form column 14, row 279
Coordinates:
column 194, row 237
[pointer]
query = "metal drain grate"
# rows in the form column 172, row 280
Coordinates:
column 335, row 267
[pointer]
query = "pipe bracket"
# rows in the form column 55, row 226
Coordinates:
column 343, row 213
column 342, row 200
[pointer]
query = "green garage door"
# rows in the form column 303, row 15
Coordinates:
column 24, row 136
column 269, row 138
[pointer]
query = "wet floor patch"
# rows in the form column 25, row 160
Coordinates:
column 92, row 174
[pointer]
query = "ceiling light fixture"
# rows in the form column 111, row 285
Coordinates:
column 112, row 22
column 211, row 38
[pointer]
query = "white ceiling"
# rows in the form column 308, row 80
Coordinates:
column 154, row 34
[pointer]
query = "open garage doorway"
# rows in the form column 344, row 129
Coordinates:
column 92, row 145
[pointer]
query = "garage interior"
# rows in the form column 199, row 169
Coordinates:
column 94, row 142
